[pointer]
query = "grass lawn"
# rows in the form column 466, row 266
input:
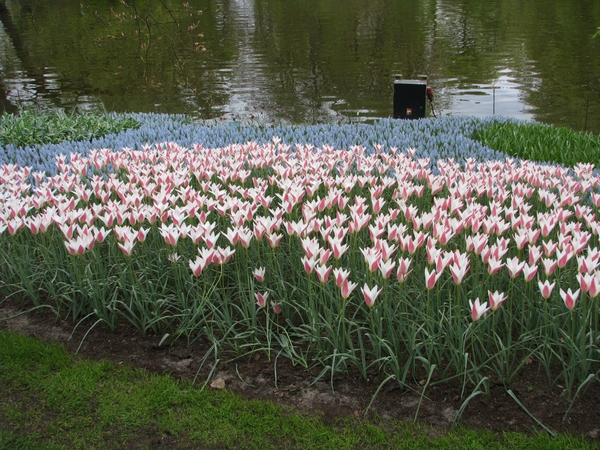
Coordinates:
column 50, row 399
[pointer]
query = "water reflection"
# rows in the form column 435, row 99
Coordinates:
column 503, row 97
column 303, row 61
column 243, row 77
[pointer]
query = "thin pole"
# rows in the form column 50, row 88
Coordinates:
column 587, row 107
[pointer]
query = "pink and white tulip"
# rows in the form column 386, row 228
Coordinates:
column 370, row 294
column 570, row 298
column 477, row 309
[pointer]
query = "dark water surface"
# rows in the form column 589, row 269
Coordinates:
column 302, row 61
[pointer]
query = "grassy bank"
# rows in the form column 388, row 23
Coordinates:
column 542, row 143
column 52, row 400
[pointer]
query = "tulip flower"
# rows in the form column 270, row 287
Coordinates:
column 586, row 281
column 370, row 294
column 546, row 288
column 469, row 244
column 494, row 265
column 387, row 250
column 127, row 247
column 309, row 264
column 570, row 298
column 595, row 286
column 142, row 233
column 386, row 267
column 446, row 236
column 170, row 234
column 563, row 256
column 375, row 232
column 338, row 248
column 174, row 257
column 529, row 271
column 359, row 221
column 479, row 242
column 261, row 299
column 310, row 246
column 274, row 239
column 485, row 254
column 245, row 236
column 372, row 257
column 222, row 255
column 79, row 245
column 323, row 272
column 340, row 276
column 208, row 254
column 210, row 239
column 34, row 224
column 458, row 272
column 496, row 299
column 432, row 254
column 549, row 266
column 101, row 234
column 442, row 260
column 535, row 253
column 232, row 235
column 549, row 247
column 586, row 264
column 324, row 255
column 259, row 274
column 533, row 235
column 198, row 265
column 477, row 309
column 67, row 230
column 431, row 278
column 347, row 288
column 514, row 266
column 520, row 238
column 403, row 272
column 276, row 307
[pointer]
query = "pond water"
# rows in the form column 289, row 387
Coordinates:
column 302, row 61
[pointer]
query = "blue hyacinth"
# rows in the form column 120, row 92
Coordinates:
column 445, row 137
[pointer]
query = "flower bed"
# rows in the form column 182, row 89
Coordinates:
column 447, row 137
column 348, row 259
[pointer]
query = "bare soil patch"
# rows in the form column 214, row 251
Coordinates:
column 281, row 382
